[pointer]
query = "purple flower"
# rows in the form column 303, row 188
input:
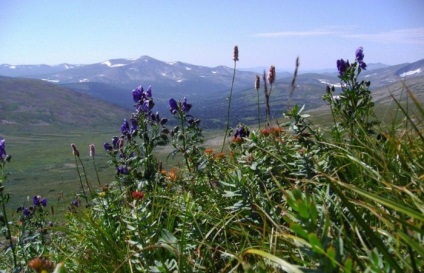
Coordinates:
column 173, row 106
column 342, row 66
column 26, row 212
column 36, row 200
column 44, row 202
column 108, row 147
column 134, row 125
column 3, row 154
column 137, row 94
column 186, row 106
column 360, row 58
column 242, row 132
column 122, row 170
column 359, row 54
column 125, row 127
column 115, row 142
column 75, row 203
column 149, row 92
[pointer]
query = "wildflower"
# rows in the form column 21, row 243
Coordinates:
column 276, row 130
column 172, row 175
column 237, row 140
column 75, row 151
column 360, row 57
column 173, row 106
column 236, row 54
column 108, row 147
column 137, row 94
column 26, row 212
column 115, row 142
column 242, row 132
column 219, row 156
column 92, row 150
column 75, row 203
column 271, row 75
column 137, row 195
column 41, row 264
column 134, row 125
column 265, row 132
column 342, row 66
column 122, row 170
column 3, row 154
column 208, row 151
column 125, row 127
column 149, row 92
column 257, row 83
column 102, row 194
column 186, row 106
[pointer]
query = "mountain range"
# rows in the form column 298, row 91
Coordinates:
column 207, row 88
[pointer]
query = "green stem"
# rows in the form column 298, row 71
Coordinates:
column 97, row 173
column 259, row 113
column 227, row 127
column 3, row 204
column 80, row 179
column 182, row 118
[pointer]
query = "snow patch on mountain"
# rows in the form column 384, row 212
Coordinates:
column 108, row 63
column 326, row 82
column 48, row 80
column 409, row 73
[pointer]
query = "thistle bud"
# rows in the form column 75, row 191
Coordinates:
column 257, row 83
column 271, row 75
column 92, row 150
column 75, row 151
column 236, row 54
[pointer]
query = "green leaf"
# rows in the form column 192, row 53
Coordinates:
column 286, row 266
column 315, row 243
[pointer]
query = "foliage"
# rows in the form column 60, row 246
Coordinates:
column 285, row 198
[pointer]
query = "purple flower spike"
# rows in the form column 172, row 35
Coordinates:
column 26, row 212
column 149, row 92
column 44, row 202
column 137, row 94
column 186, row 106
column 3, row 154
column 125, row 128
column 108, row 147
column 360, row 58
column 342, row 66
column 75, row 203
column 36, row 200
column 359, row 54
column 173, row 106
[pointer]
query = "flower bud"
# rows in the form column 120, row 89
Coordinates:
column 236, row 54
column 92, row 150
column 75, row 150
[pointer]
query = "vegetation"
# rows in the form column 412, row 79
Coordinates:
column 289, row 197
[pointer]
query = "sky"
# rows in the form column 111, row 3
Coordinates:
column 203, row 32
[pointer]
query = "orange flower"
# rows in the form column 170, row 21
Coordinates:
column 172, row 175
column 208, row 151
column 237, row 140
column 219, row 156
column 41, row 264
column 163, row 172
column 276, row 130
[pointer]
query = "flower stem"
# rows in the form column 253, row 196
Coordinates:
column 227, row 127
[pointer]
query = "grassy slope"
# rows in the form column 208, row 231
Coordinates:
column 40, row 120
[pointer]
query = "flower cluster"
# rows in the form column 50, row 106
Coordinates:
column 360, row 58
column 3, row 155
column 38, row 201
column 143, row 99
column 343, row 66
column 41, row 264
column 174, row 106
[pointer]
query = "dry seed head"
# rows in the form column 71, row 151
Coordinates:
column 257, row 82
column 236, row 54
column 92, row 150
column 75, row 150
column 271, row 75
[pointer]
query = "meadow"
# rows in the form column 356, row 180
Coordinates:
column 339, row 190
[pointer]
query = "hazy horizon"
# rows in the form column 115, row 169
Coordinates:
column 267, row 33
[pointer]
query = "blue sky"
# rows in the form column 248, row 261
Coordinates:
column 205, row 32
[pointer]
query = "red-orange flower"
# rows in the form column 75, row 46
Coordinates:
column 172, row 175
column 41, row 264
column 265, row 132
column 237, row 140
column 208, row 151
column 137, row 195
